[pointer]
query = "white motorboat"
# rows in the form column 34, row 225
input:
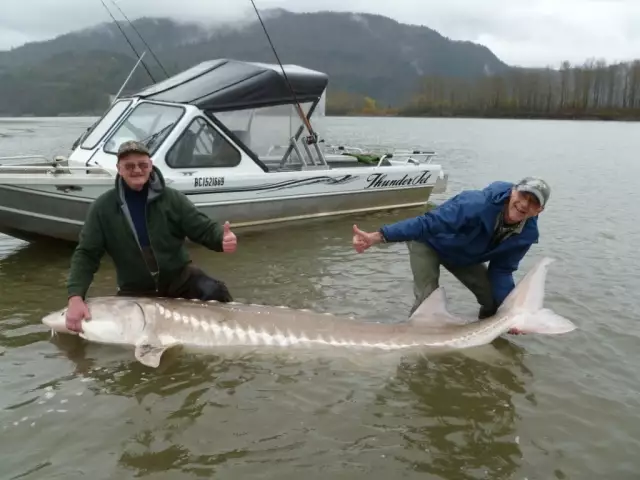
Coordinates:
column 211, row 131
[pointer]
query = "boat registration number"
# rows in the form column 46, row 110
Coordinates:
column 208, row 182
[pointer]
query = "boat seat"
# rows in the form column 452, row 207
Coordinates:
column 243, row 135
column 289, row 168
column 183, row 156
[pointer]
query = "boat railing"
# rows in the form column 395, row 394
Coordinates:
column 52, row 169
column 414, row 157
column 24, row 165
column 348, row 149
column 339, row 149
column 21, row 158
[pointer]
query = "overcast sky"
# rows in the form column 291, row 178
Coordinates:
column 520, row 32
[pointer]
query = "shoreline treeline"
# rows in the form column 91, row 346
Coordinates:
column 593, row 90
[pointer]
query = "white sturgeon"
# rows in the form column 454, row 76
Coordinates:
column 152, row 325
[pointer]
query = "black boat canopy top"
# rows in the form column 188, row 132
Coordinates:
column 224, row 85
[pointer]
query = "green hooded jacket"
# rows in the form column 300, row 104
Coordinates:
column 108, row 228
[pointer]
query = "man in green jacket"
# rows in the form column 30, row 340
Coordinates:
column 142, row 224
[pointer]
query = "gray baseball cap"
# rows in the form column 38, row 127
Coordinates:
column 535, row 186
column 132, row 146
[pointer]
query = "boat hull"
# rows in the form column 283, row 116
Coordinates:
column 33, row 214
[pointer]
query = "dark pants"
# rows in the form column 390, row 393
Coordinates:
column 425, row 266
column 192, row 283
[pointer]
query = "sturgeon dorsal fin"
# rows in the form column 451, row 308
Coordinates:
column 433, row 311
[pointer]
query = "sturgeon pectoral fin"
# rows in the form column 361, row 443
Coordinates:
column 148, row 354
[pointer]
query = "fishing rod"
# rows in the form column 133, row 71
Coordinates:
column 313, row 137
column 127, row 39
column 138, row 33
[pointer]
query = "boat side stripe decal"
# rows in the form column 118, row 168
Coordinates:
column 276, row 186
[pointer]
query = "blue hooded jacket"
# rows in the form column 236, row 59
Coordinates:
column 460, row 232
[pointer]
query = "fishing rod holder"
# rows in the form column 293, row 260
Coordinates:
column 311, row 139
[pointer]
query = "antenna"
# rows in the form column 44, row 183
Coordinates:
column 138, row 33
column 128, row 77
column 313, row 137
column 127, row 39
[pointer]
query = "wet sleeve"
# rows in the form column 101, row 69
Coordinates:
column 87, row 255
column 501, row 274
column 449, row 217
column 197, row 226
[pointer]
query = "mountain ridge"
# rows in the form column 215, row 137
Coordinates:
column 365, row 55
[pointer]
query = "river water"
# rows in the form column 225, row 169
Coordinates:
column 531, row 407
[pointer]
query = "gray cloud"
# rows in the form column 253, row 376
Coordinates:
column 520, row 32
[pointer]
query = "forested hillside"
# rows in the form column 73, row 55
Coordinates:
column 365, row 55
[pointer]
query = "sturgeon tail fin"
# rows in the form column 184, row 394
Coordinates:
column 525, row 304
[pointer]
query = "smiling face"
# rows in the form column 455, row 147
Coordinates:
column 135, row 169
column 522, row 205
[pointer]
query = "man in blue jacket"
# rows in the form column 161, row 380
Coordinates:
column 497, row 224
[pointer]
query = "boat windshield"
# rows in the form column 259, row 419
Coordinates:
column 149, row 123
column 101, row 127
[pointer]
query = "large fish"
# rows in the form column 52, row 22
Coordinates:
column 152, row 325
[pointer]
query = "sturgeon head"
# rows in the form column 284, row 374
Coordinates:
column 114, row 321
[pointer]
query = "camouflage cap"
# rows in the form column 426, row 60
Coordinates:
column 535, row 186
column 132, row 146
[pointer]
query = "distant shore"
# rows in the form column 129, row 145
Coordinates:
column 606, row 115
column 616, row 116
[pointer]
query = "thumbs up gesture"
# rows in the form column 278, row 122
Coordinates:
column 363, row 240
column 229, row 241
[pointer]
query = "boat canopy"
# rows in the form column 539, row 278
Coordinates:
column 225, row 85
